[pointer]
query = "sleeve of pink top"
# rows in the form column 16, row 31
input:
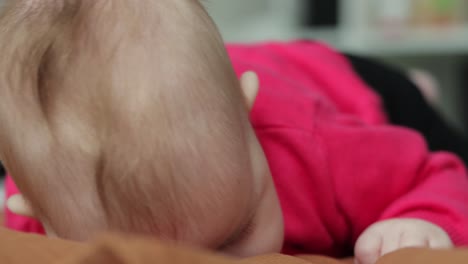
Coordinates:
column 384, row 172
column 16, row 222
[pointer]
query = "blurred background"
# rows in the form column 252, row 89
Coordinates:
column 431, row 35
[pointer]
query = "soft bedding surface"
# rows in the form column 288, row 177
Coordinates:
column 19, row 248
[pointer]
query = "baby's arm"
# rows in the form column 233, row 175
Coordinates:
column 385, row 173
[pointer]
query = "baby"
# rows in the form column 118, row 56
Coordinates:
column 128, row 116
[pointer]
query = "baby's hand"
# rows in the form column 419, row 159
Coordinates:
column 390, row 235
column 17, row 204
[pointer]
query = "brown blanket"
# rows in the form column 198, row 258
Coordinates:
column 118, row 249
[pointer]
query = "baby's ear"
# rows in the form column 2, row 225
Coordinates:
column 17, row 204
column 249, row 84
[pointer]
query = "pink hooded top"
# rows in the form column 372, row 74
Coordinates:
column 337, row 165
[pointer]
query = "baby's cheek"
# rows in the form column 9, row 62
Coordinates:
column 16, row 222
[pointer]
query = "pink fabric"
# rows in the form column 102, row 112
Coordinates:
column 338, row 167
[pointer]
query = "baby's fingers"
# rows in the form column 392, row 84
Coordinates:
column 17, row 204
column 368, row 248
column 409, row 239
column 440, row 241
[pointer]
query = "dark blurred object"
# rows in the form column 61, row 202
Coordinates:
column 321, row 12
column 406, row 106
column 464, row 83
column 2, row 171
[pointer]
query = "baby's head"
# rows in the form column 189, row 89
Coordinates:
column 133, row 120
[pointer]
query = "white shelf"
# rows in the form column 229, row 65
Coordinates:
column 436, row 41
column 358, row 33
column 258, row 20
